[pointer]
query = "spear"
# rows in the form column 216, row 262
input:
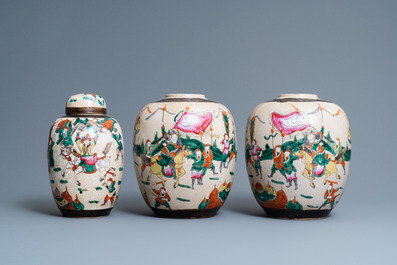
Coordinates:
column 322, row 114
column 272, row 131
column 164, row 109
column 211, row 132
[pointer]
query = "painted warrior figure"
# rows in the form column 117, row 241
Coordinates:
column 109, row 125
column 320, row 160
column 65, row 200
column 161, row 197
column 208, row 158
column 278, row 160
column 288, row 169
column 313, row 137
column 110, row 185
column 146, row 156
column 87, row 159
column 313, row 144
column 73, row 160
column 330, row 194
column 198, row 168
column 340, row 151
column 111, row 171
column 168, row 159
column 65, row 130
column 176, row 142
column 256, row 153
column 171, row 143
column 225, row 151
column 117, row 137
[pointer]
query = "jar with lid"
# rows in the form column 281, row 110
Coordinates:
column 85, row 158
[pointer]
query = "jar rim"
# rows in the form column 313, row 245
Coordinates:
column 176, row 95
column 299, row 95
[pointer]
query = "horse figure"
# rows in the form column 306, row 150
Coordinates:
column 310, row 173
column 76, row 163
column 161, row 171
column 73, row 162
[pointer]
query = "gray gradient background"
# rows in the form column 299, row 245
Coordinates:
column 239, row 53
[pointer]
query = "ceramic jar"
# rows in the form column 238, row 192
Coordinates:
column 298, row 150
column 85, row 158
column 185, row 155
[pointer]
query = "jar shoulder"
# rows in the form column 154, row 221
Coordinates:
column 302, row 106
column 189, row 106
column 77, row 122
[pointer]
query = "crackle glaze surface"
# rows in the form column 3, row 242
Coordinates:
column 298, row 152
column 85, row 161
column 185, row 153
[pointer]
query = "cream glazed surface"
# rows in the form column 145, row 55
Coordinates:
column 185, row 153
column 85, row 158
column 298, row 151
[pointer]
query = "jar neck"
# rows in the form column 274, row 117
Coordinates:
column 186, row 96
column 298, row 96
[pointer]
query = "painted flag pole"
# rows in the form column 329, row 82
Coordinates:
column 164, row 109
column 211, row 132
column 322, row 115
column 272, row 131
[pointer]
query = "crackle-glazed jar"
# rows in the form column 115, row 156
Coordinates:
column 298, row 150
column 185, row 155
column 85, row 158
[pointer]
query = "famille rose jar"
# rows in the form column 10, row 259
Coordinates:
column 298, row 150
column 85, row 158
column 185, row 155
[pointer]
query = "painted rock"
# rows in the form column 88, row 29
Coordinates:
column 298, row 150
column 85, row 158
column 185, row 155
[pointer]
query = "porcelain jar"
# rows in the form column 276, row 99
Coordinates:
column 298, row 150
column 185, row 155
column 85, row 158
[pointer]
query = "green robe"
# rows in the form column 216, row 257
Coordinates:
column 288, row 167
column 118, row 141
column 198, row 165
column 112, row 187
column 320, row 159
column 67, row 139
column 158, row 204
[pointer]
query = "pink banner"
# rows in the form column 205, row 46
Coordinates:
column 290, row 123
column 190, row 122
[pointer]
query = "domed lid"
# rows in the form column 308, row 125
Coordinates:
column 86, row 104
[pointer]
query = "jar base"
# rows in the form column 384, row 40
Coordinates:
column 185, row 214
column 85, row 213
column 296, row 214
